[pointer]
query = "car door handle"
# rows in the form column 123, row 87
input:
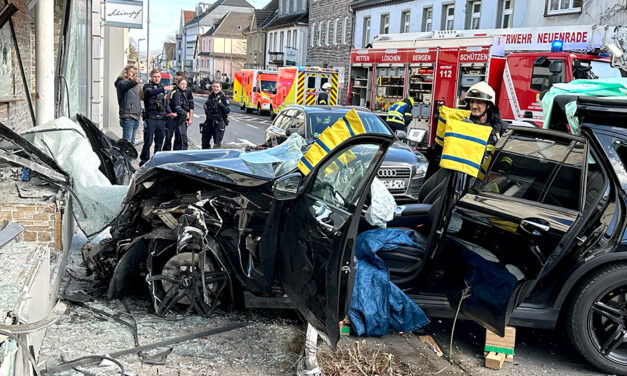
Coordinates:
column 326, row 224
column 534, row 226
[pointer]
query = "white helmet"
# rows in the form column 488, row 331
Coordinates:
column 481, row 91
column 327, row 86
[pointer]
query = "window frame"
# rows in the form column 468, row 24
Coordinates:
column 558, row 12
column 506, row 12
column 366, row 30
column 335, row 25
column 405, row 21
column 474, row 15
column 384, row 25
column 319, row 33
column 345, row 30
column 327, row 36
column 448, row 18
column 427, row 22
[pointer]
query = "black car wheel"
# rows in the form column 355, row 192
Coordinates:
column 242, row 106
column 597, row 319
column 258, row 109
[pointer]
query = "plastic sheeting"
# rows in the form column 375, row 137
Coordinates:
column 69, row 146
column 609, row 87
column 276, row 161
column 377, row 304
column 383, row 205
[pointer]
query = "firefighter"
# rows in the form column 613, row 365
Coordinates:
column 323, row 97
column 399, row 115
column 480, row 98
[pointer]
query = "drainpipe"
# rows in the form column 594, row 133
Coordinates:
column 44, row 55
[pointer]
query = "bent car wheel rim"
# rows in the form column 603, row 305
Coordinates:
column 607, row 324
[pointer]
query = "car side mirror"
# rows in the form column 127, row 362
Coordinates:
column 274, row 91
column 255, row 89
column 127, row 148
column 401, row 135
column 287, row 187
column 556, row 67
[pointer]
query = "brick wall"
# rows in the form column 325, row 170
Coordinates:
column 331, row 56
column 15, row 114
column 41, row 221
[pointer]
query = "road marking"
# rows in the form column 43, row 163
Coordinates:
column 247, row 142
column 248, row 125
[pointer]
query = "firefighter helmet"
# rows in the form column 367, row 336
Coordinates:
column 409, row 100
column 481, row 91
column 327, row 86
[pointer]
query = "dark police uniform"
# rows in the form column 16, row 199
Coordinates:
column 323, row 98
column 181, row 105
column 172, row 128
column 155, row 106
column 216, row 109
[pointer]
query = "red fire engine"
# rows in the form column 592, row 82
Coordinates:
column 439, row 67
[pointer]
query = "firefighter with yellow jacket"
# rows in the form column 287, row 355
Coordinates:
column 399, row 116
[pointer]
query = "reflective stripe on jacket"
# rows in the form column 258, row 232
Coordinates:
column 397, row 112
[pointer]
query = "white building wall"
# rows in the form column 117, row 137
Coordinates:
column 98, row 63
column 593, row 12
column 302, row 36
column 488, row 20
column 115, row 39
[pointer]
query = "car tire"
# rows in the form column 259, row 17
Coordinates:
column 249, row 110
column 272, row 114
column 242, row 106
column 258, row 109
column 596, row 314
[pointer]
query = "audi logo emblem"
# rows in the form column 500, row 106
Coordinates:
column 386, row 173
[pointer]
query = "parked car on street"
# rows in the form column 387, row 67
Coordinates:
column 403, row 170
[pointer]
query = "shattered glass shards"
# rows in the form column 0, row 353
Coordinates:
column 67, row 143
column 276, row 161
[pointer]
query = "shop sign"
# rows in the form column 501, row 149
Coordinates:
column 124, row 13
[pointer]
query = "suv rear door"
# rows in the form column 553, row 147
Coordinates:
column 515, row 222
column 319, row 227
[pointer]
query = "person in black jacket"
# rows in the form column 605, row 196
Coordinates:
column 323, row 97
column 155, row 105
column 217, row 109
column 172, row 128
column 181, row 105
column 129, row 102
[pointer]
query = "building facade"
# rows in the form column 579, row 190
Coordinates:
column 330, row 38
column 287, row 35
column 223, row 48
column 374, row 17
column 576, row 12
column 185, row 17
column 256, row 36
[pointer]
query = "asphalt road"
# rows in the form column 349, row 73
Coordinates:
column 243, row 128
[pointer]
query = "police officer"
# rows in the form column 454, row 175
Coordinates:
column 155, row 106
column 481, row 101
column 323, row 97
column 172, row 128
column 399, row 115
column 217, row 110
column 181, row 105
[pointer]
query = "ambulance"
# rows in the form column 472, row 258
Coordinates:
column 438, row 68
column 253, row 89
column 301, row 85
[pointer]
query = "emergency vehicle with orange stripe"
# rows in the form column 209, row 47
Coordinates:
column 438, row 68
column 301, row 85
column 253, row 88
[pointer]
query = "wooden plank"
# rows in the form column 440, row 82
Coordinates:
column 494, row 360
column 503, row 344
column 429, row 341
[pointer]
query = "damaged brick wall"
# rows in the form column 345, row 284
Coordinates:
column 41, row 221
column 14, row 112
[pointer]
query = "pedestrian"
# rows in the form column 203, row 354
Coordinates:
column 217, row 109
column 130, row 108
column 181, row 105
column 399, row 116
column 155, row 106
column 323, row 97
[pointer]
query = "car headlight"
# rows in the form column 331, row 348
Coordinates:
column 420, row 168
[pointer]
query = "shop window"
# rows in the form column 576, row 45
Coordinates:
column 427, row 19
column 556, row 7
column 448, row 16
column 366, row 32
column 385, row 24
column 405, row 21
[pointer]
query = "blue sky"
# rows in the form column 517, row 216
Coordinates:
column 164, row 20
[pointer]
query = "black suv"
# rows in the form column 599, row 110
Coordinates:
column 539, row 240
column 402, row 171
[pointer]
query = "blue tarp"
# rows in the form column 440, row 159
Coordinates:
column 377, row 304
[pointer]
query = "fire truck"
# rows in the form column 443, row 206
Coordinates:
column 301, row 85
column 252, row 89
column 438, row 68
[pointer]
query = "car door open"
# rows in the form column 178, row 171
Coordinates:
column 512, row 224
column 319, row 228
